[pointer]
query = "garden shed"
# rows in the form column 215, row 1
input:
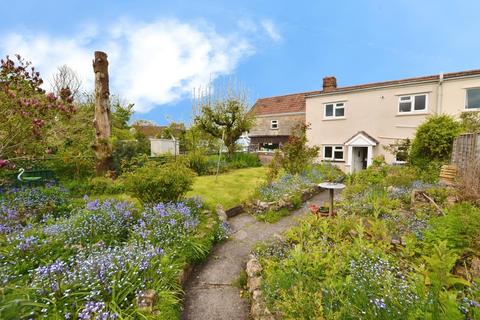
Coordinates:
column 162, row 146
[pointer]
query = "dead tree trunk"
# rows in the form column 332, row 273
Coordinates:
column 101, row 122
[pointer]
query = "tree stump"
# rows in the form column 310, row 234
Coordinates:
column 101, row 122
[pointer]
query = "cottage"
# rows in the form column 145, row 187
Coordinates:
column 354, row 124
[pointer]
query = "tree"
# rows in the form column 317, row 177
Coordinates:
column 224, row 116
column 66, row 79
column 28, row 114
column 297, row 156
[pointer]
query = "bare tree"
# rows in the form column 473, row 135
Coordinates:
column 66, row 78
column 223, row 112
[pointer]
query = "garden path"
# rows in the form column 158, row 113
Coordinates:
column 209, row 293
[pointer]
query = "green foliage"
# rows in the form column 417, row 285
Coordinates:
column 439, row 303
column 225, row 118
column 460, row 227
column 155, row 183
column 272, row 216
column 274, row 167
column 126, row 152
column 470, row 121
column 433, row 140
column 243, row 160
column 198, row 162
column 378, row 258
column 297, row 156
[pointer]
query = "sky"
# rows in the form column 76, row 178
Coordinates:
column 161, row 51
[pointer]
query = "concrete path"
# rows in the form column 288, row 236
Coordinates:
column 209, row 293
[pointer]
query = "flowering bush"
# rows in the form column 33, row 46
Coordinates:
column 24, row 206
column 289, row 184
column 96, row 262
column 168, row 225
column 380, row 258
column 107, row 221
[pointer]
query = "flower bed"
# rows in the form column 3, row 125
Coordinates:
column 103, row 260
column 375, row 259
column 290, row 191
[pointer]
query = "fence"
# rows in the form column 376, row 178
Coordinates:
column 466, row 151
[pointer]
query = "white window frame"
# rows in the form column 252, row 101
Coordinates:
column 335, row 107
column 412, row 103
column 335, row 148
column 466, row 100
column 274, row 123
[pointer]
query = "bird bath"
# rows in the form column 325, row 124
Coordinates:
column 331, row 186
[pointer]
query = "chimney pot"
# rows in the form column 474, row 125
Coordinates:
column 329, row 84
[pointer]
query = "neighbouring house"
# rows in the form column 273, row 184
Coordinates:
column 354, row 124
column 274, row 119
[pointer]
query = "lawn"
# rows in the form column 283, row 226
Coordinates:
column 229, row 189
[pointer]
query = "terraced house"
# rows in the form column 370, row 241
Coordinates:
column 354, row 124
column 274, row 119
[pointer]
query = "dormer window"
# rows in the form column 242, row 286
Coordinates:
column 273, row 124
column 335, row 110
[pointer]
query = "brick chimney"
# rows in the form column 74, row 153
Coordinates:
column 329, row 84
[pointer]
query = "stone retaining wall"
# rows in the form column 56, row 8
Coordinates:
column 259, row 207
column 258, row 309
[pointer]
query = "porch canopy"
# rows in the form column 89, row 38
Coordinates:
column 360, row 139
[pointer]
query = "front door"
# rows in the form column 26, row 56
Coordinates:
column 359, row 157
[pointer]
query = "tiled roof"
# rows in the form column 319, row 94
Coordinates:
column 296, row 102
column 280, row 104
column 436, row 77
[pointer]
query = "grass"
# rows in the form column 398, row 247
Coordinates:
column 273, row 216
column 230, row 189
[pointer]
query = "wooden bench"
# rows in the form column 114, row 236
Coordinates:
column 45, row 175
column 448, row 174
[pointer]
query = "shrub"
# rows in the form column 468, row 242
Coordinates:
column 433, row 140
column 244, row 160
column 274, row 167
column 154, row 183
column 470, row 122
column 460, row 227
column 297, row 156
column 198, row 162
column 95, row 186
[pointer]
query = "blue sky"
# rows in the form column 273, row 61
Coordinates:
column 160, row 50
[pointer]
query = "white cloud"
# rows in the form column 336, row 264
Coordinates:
column 150, row 63
column 271, row 30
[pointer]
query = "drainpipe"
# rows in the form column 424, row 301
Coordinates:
column 440, row 94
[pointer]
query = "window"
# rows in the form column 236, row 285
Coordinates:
column 274, row 124
column 412, row 103
column 334, row 110
column 473, row 98
column 333, row 153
